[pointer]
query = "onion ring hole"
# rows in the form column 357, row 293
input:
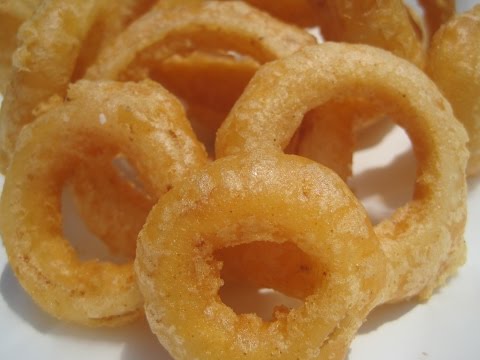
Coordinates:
column 86, row 244
column 383, row 175
column 377, row 160
column 246, row 292
column 128, row 172
column 78, row 221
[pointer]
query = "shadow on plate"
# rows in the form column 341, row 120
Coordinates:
column 21, row 303
column 142, row 344
column 136, row 336
column 392, row 183
column 473, row 183
column 245, row 299
column 373, row 134
column 385, row 314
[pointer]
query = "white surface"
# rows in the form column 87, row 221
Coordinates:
column 445, row 328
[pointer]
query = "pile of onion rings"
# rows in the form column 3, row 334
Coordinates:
column 210, row 141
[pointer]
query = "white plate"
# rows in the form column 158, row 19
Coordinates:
column 446, row 327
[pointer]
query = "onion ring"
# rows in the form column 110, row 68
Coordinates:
column 51, row 53
column 424, row 239
column 454, row 65
column 278, row 198
column 148, row 124
column 153, row 44
column 12, row 14
column 384, row 24
column 232, row 26
column 209, row 26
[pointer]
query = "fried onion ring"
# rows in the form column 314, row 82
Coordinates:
column 384, row 24
column 158, row 36
column 209, row 26
column 423, row 239
column 152, row 46
column 12, row 14
column 454, row 65
column 279, row 199
column 55, row 46
column 44, row 62
column 143, row 121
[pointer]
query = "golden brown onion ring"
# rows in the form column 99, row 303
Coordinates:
column 109, row 197
column 157, row 36
column 12, row 14
column 209, row 26
column 49, row 44
column 55, row 46
column 189, row 48
column 279, row 199
column 423, row 239
column 385, row 24
column 454, row 65
column 143, row 121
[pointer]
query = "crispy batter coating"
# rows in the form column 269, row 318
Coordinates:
column 12, row 14
column 423, row 239
column 213, row 26
column 385, row 24
column 279, row 199
column 55, row 46
column 454, row 65
column 143, row 121
column 205, row 77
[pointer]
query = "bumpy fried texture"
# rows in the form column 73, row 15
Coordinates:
column 423, row 239
column 144, row 122
column 210, row 26
column 193, row 50
column 383, row 24
column 209, row 82
column 279, row 199
column 49, row 44
column 116, row 16
column 454, row 65
column 54, row 47
column 12, row 14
